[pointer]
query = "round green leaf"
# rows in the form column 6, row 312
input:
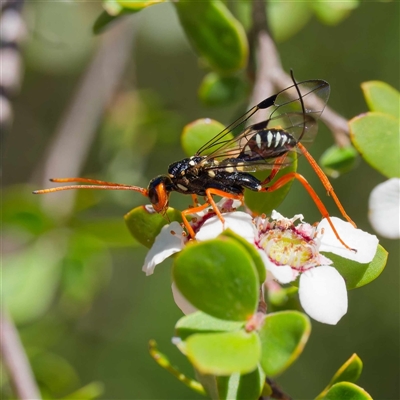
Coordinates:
column 90, row 391
column 336, row 160
column 199, row 132
column 214, row 33
column 258, row 262
column 224, row 353
column 145, row 225
column 283, row 337
column 377, row 137
column 216, row 90
column 219, row 278
column 267, row 201
column 356, row 274
column 346, row 391
column 287, row 18
column 382, row 97
column 333, row 12
column 350, row 371
column 109, row 230
column 199, row 322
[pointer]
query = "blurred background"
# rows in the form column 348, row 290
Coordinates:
column 112, row 107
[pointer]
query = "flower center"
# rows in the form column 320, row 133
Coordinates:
column 287, row 247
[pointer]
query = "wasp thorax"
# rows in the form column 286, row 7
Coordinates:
column 179, row 168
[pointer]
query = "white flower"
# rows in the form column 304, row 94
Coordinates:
column 384, row 208
column 171, row 239
column 288, row 251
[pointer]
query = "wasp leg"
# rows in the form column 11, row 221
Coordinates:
column 192, row 210
column 209, row 193
column 325, row 181
column 320, row 205
column 195, row 200
column 275, row 169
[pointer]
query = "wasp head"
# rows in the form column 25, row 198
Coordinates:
column 158, row 192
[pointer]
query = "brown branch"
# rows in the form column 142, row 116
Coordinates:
column 15, row 360
column 270, row 76
column 68, row 150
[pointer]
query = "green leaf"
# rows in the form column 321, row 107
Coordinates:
column 104, row 20
column 350, row 371
column 111, row 231
column 214, row 33
column 199, row 322
column 236, row 386
column 145, row 225
column 138, row 5
column 219, row 278
column 283, row 337
column 266, row 202
column 216, row 90
column 90, row 391
column 258, row 262
column 224, row 353
column 337, row 160
column 333, row 12
column 53, row 372
column 287, row 18
column 382, row 97
column 377, row 137
column 30, row 278
column 198, row 133
column 346, row 391
column 115, row 9
column 356, row 274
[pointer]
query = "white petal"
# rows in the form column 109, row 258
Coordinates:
column 276, row 215
column 282, row 273
column 279, row 217
column 240, row 222
column 323, row 294
column 365, row 243
column 384, row 208
column 168, row 242
column 181, row 301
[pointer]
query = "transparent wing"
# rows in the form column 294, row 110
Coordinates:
column 298, row 125
column 304, row 98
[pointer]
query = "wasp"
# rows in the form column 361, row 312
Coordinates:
column 223, row 166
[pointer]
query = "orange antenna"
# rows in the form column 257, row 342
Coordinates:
column 94, row 184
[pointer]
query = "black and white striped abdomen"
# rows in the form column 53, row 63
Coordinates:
column 268, row 143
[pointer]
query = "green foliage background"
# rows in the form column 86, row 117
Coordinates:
column 107, row 341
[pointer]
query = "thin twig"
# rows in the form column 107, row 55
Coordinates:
column 270, row 75
column 68, row 150
column 15, row 360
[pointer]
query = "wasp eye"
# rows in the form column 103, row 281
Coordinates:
column 153, row 196
column 158, row 192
